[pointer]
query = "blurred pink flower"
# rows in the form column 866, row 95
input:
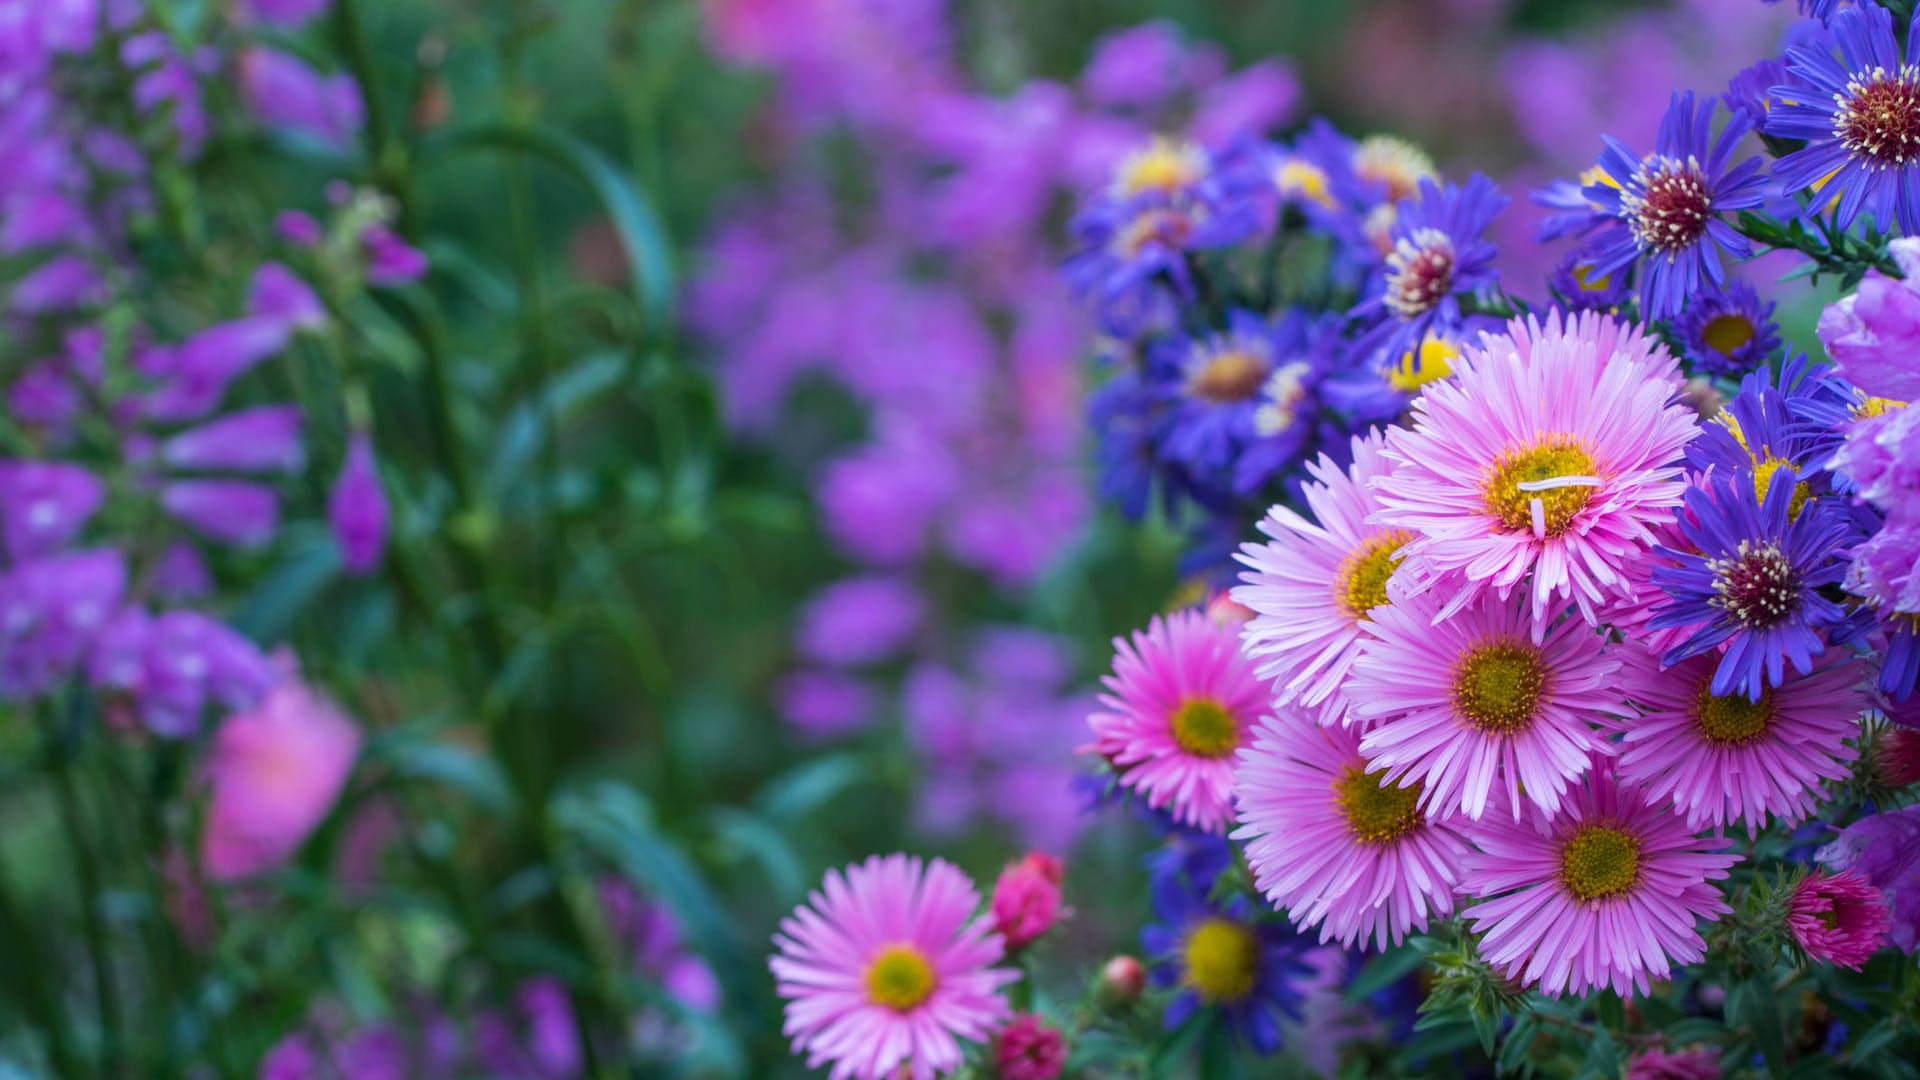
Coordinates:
column 1026, row 899
column 273, row 774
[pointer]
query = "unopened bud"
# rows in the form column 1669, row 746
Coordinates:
column 1122, row 980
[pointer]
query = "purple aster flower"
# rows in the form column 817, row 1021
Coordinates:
column 1762, row 430
column 825, row 704
column 1874, row 334
column 1885, row 849
column 285, row 93
column 1221, row 958
column 1438, row 255
column 173, row 667
column 1859, row 114
column 1229, row 393
column 1727, row 331
column 1667, row 206
column 357, row 508
column 265, row 438
column 45, row 504
column 1573, row 211
column 861, row 620
column 1120, row 414
column 51, row 610
column 1752, row 583
column 1747, row 92
column 1580, row 288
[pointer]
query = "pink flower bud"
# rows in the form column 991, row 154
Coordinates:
column 1026, row 899
column 1898, row 759
column 1838, row 918
column 1122, row 980
column 1029, row 1050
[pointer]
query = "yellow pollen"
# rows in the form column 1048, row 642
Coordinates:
column 1876, row 406
column 1731, row 719
column 1204, row 728
column 1229, row 375
column 1598, row 175
column 1377, row 812
column 1552, row 458
column 1598, row 862
column 1361, row 584
column 1726, row 334
column 1397, row 163
column 1305, row 180
column 1434, row 362
column 1763, row 479
column 900, row 978
column 1583, row 277
column 1497, row 686
column 1222, row 957
column 1164, row 166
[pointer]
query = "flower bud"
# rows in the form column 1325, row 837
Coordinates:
column 1122, row 980
column 1028, row 1049
column 1026, row 899
column 1897, row 757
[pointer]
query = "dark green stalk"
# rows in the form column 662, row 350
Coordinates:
column 27, row 967
column 86, row 881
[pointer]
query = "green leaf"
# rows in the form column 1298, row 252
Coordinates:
column 810, row 785
column 310, row 565
column 414, row 755
column 1751, row 1003
column 521, row 435
column 1386, row 969
column 754, row 837
column 1173, row 1050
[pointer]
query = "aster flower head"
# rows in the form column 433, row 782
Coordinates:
column 1873, row 333
column 1437, row 254
column 1303, row 644
column 1760, row 431
column 1181, row 700
column 1238, row 404
column 1475, row 710
column 1168, row 168
column 886, row 968
column 1553, row 451
column 1580, row 287
column 1749, row 585
column 1606, row 892
column 1336, row 845
column 1725, row 758
column 1393, row 167
column 1859, row 113
column 1572, row 212
column 1667, row 206
column 1219, row 956
column 1727, row 330
column 1838, row 919
column 1694, row 1063
column 1315, row 174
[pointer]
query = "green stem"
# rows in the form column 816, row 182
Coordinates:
column 86, row 881
column 27, row 967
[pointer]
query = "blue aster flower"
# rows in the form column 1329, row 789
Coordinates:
column 1221, row 958
column 1667, row 206
column 1821, row 10
column 1580, row 288
column 1727, row 331
column 1119, row 413
column 1575, row 213
column 1747, row 92
column 1860, row 116
column 1752, row 580
column 1438, row 255
column 1759, row 432
column 1900, row 660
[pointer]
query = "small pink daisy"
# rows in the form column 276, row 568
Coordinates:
column 1473, row 707
column 886, row 968
column 1554, row 449
column 1838, row 918
column 1333, row 844
column 1180, row 701
column 1314, row 585
column 1721, row 758
column 1606, row 893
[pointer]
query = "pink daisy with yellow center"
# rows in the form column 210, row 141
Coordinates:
column 1334, row 844
column 1474, row 707
column 1553, row 450
column 1725, row 758
column 1181, row 700
column 886, row 968
column 1606, row 893
column 1315, row 585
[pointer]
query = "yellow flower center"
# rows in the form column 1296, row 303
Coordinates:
column 1377, row 812
column 1204, row 728
column 1732, row 719
column 1305, row 180
column 1164, row 166
column 1584, row 277
column 1227, row 376
column 1430, row 363
column 1599, row 862
column 1222, row 957
column 1541, row 488
column 1598, row 175
column 1725, row 334
column 1876, row 406
column 1397, row 163
column 1497, row 686
column 900, row 978
column 1763, row 479
column 1361, row 584
column 1154, row 225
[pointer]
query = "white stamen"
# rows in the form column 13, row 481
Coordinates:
column 1552, row 482
column 1539, row 510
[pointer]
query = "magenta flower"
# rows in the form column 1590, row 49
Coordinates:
column 1885, row 849
column 886, row 969
column 1029, row 1049
column 1474, row 708
column 1872, row 334
column 358, row 508
column 1724, row 758
column 273, row 773
column 1315, row 585
column 1605, row 893
column 1026, row 899
column 1180, row 701
column 1695, row 1063
column 1838, row 918
column 1553, row 450
column 1335, row 845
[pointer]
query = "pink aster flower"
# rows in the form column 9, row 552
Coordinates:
column 1606, row 892
column 1026, row 899
column 885, row 968
column 274, row 773
column 1180, row 701
column 1553, row 450
column 1029, row 1049
column 1336, row 845
column 1694, row 1063
column 1314, row 585
column 1721, row 758
column 1473, row 707
column 1838, row 918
